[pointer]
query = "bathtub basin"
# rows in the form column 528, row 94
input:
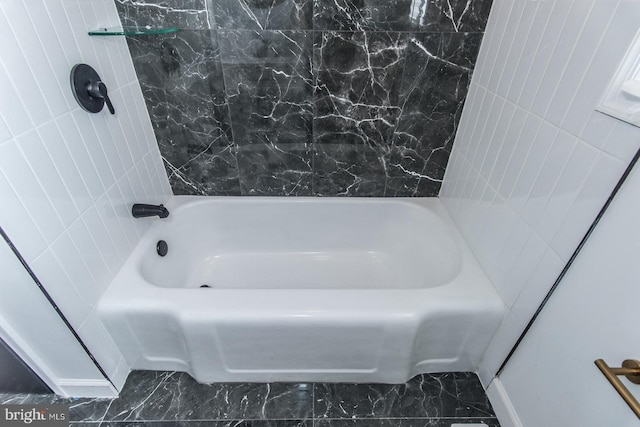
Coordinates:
column 302, row 289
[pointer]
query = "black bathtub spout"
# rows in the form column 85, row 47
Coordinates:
column 140, row 210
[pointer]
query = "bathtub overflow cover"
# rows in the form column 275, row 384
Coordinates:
column 205, row 286
column 162, row 248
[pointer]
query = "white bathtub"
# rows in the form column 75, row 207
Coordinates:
column 302, row 289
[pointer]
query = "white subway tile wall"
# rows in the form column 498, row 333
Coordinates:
column 533, row 162
column 67, row 177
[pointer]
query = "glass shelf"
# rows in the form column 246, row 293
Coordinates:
column 133, row 31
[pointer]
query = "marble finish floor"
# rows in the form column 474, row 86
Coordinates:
column 162, row 399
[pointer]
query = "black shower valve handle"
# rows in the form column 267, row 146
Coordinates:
column 99, row 90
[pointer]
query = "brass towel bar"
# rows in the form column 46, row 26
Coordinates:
column 631, row 370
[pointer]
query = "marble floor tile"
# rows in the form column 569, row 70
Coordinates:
column 83, row 409
column 424, row 396
column 172, row 396
column 406, row 422
column 164, row 399
column 231, row 423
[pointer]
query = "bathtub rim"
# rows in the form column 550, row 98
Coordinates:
column 482, row 292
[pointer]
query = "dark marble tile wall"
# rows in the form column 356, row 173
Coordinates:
column 306, row 97
column 175, row 399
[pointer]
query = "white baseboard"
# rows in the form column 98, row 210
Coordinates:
column 502, row 405
column 86, row 388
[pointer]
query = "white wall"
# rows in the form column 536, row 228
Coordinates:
column 551, row 379
column 67, row 177
column 533, row 162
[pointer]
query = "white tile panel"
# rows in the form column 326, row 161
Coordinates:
column 566, row 190
column 481, row 246
column 74, row 266
column 492, row 108
column 80, row 156
column 29, row 191
column 507, row 334
column 63, row 29
column 142, row 118
column 493, row 240
column 154, row 177
column 500, row 267
column 62, row 169
column 479, row 119
column 102, row 125
column 485, row 46
column 61, row 157
column 491, row 40
column 522, row 268
column 18, row 223
column 121, row 197
column 88, row 136
column 109, row 62
column 538, row 285
column 452, row 176
column 14, row 113
column 470, row 107
column 94, row 334
column 597, row 130
column 504, row 155
column 518, row 51
column 137, row 131
column 543, row 54
column 580, row 61
column 620, row 33
column 54, row 86
column 623, row 141
column 495, row 140
column 89, row 253
column 529, row 51
column 79, row 33
column 119, row 98
column 104, row 243
column 59, row 285
column 114, row 226
column 505, row 54
column 532, row 165
column 121, row 143
column 485, row 204
column 5, row 134
column 45, row 172
column 20, row 75
column 533, row 162
column 476, row 188
column 519, row 156
column 58, row 56
column 560, row 58
column 600, row 182
column 553, row 165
